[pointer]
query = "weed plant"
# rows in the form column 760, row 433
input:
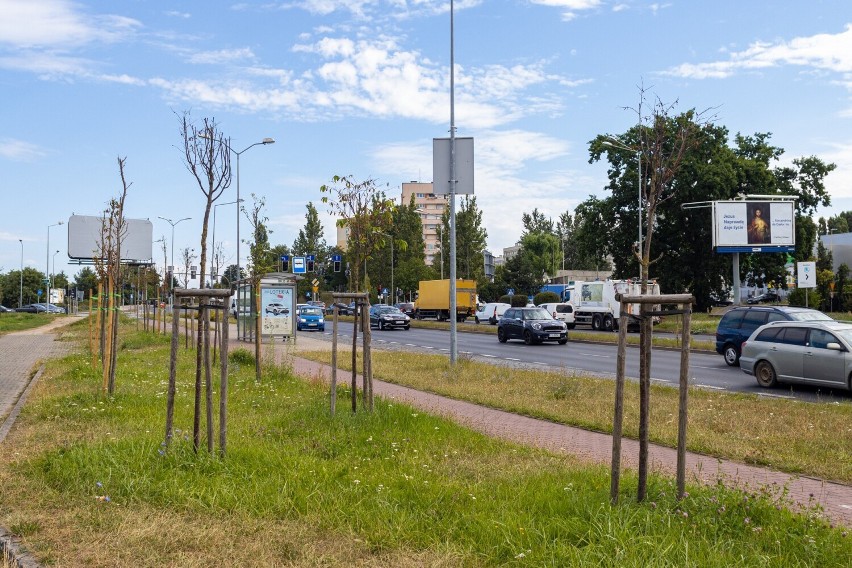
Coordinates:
column 87, row 481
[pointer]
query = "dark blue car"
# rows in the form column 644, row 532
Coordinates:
column 738, row 323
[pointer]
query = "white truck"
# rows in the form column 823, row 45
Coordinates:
column 595, row 304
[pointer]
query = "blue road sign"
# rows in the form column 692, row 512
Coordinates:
column 510, row 292
column 299, row 266
column 336, row 258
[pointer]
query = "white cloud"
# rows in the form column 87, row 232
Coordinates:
column 46, row 23
column 826, row 52
column 20, row 151
column 222, row 56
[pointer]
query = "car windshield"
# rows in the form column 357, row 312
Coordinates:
column 537, row 314
column 808, row 315
column 311, row 312
column 844, row 333
column 388, row 310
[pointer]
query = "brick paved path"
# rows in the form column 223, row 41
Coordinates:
column 19, row 353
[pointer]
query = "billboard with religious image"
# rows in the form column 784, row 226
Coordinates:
column 754, row 226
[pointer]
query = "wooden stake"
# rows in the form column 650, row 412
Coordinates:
column 334, row 360
column 682, row 403
column 204, row 327
column 223, row 383
column 618, row 415
column 367, row 363
column 170, row 400
column 358, row 310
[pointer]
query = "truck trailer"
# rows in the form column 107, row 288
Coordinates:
column 433, row 299
column 595, row 304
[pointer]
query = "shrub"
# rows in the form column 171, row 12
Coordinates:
column 546, row 298
column 797, row 298
column 241, row 356
column 520, row 300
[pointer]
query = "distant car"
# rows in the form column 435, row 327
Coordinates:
column 809, row 352
column 491, row 312
column 310, row 317
column 561, row 311
column 405, row 307
column 317, row 303
column 342, row 309
column 4, row 309
column 738, row 324
column 32, row 309
column 383, row 317
column 533, row 325
column 277, row 309
column 53, row 308
column 764, row 298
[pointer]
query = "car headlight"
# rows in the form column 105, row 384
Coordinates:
column 536, row 326
column 320, row 320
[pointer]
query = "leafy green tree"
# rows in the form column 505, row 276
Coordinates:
column 230, row 276
column 471, row 239
column 10, row 287
column 405, row 236
column 366, row 211
column 536, row 222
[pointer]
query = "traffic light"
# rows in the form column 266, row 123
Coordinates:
column 310, row 263
column 192, row 272
column 285, row 263
column 337, row 265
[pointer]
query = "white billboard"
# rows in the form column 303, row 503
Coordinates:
column 84, row 239
column 754, row 226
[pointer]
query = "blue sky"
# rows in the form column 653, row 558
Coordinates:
column 361, row 87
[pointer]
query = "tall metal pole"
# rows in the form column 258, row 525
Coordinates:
column 21, row 291
column 171, row 273
column 51, row 276
column 454, row 353
column 47, row 260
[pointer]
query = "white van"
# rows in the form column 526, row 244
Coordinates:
column 491, row 312
column 561, row 311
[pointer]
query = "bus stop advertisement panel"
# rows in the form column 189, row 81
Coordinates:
column 277, row 310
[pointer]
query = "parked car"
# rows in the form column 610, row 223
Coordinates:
column 405, row 307
column 53, row 308
column 561, row 311
column 310, row 317
column 342, row 309
column 491, row 312
column 809, row 352
column 4, row 309
column 770, row 296
column 317, row 303
column 533, row 325
column 32, row 309
column 383, row 317
column 277, row 309
column 738, row 324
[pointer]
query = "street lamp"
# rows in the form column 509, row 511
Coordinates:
column 171, row 273
column 52, row 274
column 216, row 269
column 638, row 151
column 21, row 292
column 47, row 258
column 264, row 142
column 393, row 289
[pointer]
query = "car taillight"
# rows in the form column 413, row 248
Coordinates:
column 743, row 345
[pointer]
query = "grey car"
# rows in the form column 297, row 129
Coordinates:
column 815, row 353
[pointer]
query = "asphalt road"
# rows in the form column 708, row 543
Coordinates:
column 706, row 370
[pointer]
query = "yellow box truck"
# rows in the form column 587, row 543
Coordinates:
column 433, row 299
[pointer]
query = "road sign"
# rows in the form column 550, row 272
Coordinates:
column 807, row 275
column 299, row 266
column 510, row 292
column 315, row 282
column 39, row 292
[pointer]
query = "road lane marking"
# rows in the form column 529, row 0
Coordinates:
column 486, row 355
column 711, row 387
column 775, row 395
column 511, row 359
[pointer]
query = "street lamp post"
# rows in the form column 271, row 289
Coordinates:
column 52, row 274
column 392, row 288
column 21, row 291
column 215, row 270
column 171, row 273
column 47, row 259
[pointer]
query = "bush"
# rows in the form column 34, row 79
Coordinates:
column 519, row 300
column 241, row 356
column 546, row 298
column 797, row 298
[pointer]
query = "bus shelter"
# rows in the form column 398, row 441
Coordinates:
column 276, row 309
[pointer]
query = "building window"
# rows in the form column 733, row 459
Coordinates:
column 420, row 196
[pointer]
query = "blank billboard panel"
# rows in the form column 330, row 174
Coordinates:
column 441, row 166
column 84, row 239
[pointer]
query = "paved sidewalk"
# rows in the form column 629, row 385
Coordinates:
column 19, row 353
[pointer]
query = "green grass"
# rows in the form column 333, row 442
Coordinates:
column 10, row 322
column 87, row 482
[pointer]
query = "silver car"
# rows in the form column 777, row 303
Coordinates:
column 814, row 353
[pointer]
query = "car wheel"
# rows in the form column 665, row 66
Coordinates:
column 476, row 319
column 732, row 355
column 406, row 328
column 596, row 322
column 765, row 375
column 381, row 326
column 501, row 335
column 528, row 338
column 563, row 341
column 608, row 323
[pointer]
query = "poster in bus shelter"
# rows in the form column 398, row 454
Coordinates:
column 277, row 310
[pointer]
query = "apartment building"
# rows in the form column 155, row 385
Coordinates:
column 431, row 208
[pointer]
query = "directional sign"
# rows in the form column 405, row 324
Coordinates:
column 299, row 265
column 315, row 282
column 807, row 274
column 336, row 257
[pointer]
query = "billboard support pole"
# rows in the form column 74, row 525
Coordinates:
column 737, row 285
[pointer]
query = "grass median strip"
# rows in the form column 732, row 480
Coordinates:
column 86, row 482
column 796, row 437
